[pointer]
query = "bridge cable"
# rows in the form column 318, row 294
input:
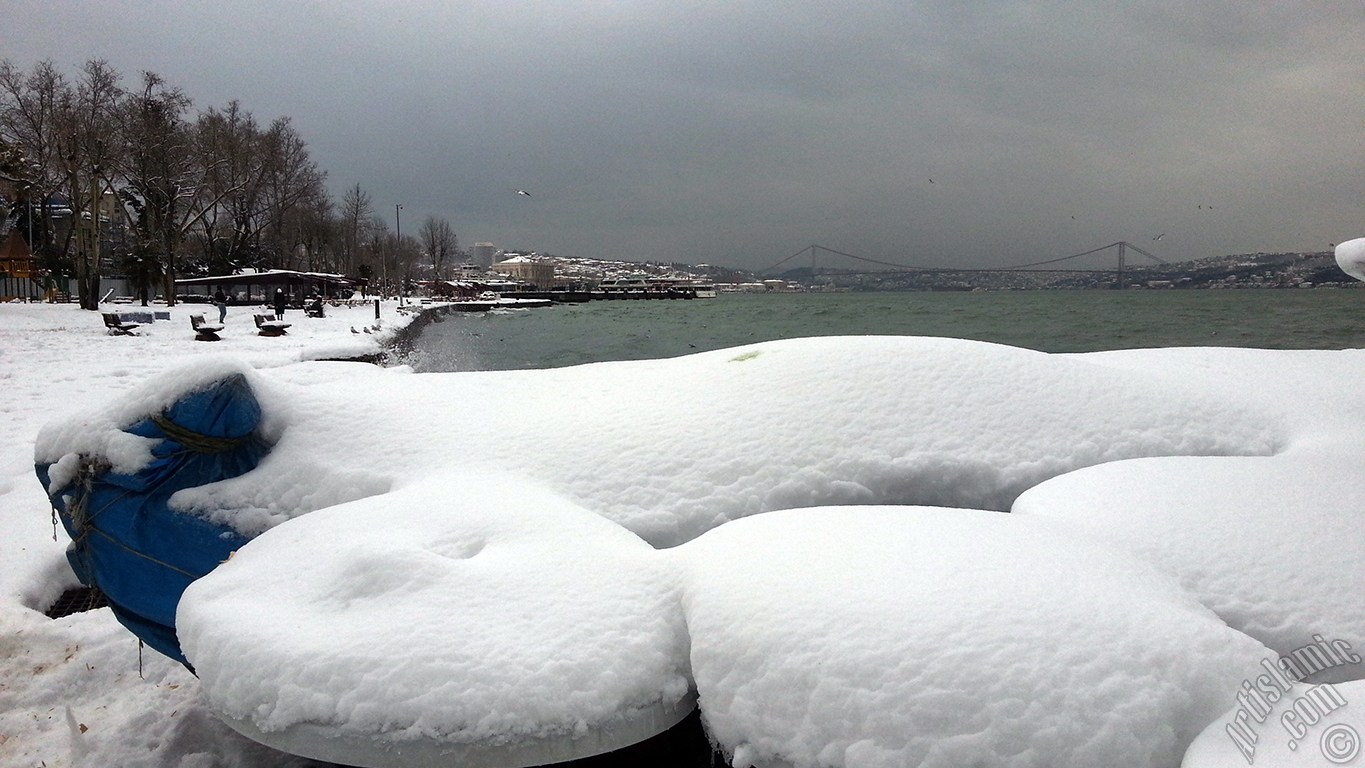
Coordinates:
column 1019, row 267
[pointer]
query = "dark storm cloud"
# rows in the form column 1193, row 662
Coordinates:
column 739, row 133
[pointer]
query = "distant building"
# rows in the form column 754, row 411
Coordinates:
column 540, row 274
column 482, row 254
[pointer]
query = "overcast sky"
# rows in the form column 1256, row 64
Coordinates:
column 738, row 133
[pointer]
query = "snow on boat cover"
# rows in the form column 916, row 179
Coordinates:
column 462, row 564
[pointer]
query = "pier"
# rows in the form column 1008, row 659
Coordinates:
column 578, row 297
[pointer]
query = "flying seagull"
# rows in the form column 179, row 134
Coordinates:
column 523, row 192
column 1158, row 237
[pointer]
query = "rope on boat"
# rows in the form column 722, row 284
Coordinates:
column 90, row 469
column 195, row 441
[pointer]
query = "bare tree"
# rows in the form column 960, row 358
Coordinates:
column 14, row 166
column 383, row 249
column 85, row 146
column 172, row 180
column 261, row 178
column 28, row 121
column 66, row 133
column 225, row 146
column 161, row 182
column 248, row 196
column 407, row 254
column 315, row 233
column 395, row 257
column 356, row 212
column 292, row 186
column 439, row 242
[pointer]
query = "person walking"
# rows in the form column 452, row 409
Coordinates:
column 279, row 303
column 220, row 301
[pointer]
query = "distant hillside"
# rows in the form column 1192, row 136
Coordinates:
column 1248, row 270
column 1257, row 270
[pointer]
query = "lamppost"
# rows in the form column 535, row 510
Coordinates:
column 28, row 291
column 397, row 243
column 28, row 196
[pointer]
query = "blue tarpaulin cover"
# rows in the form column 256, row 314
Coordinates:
column 127, row 542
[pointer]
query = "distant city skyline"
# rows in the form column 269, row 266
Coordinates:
column 934, row 133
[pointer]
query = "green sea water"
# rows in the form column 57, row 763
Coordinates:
column 1049, row 321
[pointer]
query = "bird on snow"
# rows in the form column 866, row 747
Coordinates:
column 523, row 192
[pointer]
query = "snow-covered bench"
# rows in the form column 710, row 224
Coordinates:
column 205, row 331
column 269, row 326
column 117, row 326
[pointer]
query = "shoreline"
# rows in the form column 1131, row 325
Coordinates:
column 400, row 343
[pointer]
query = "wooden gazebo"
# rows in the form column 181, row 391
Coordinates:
column 18, row 267
column 251, row 287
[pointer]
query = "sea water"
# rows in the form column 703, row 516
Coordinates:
column 1048, row 321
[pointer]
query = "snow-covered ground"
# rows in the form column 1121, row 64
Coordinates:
column 57, row 676
column 464, row 559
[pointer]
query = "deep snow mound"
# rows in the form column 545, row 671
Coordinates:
column 672, row 448
column 1275, row 545
column 892, row 636
column 1350, row 256
column 470, row 620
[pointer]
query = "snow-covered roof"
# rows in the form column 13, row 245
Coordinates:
column 271, row 277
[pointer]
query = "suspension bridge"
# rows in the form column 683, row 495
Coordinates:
column 888, row 268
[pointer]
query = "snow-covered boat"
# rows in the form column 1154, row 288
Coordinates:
column 128, row 541
column 125, row 539
column 474, row 598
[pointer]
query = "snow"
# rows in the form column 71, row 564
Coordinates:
column 1273, row 544
column 516, row 637
column 526, row 560
column 1305, row 726
column 83, row 670
column 1350, row 257
column 975, row 638
column 868, row 420
column 1286, row 533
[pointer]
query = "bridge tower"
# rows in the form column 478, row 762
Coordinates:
column 1122, row 246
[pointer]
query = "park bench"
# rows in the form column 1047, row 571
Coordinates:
column 204, row 331
column 269, row 326
column 117, row 327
